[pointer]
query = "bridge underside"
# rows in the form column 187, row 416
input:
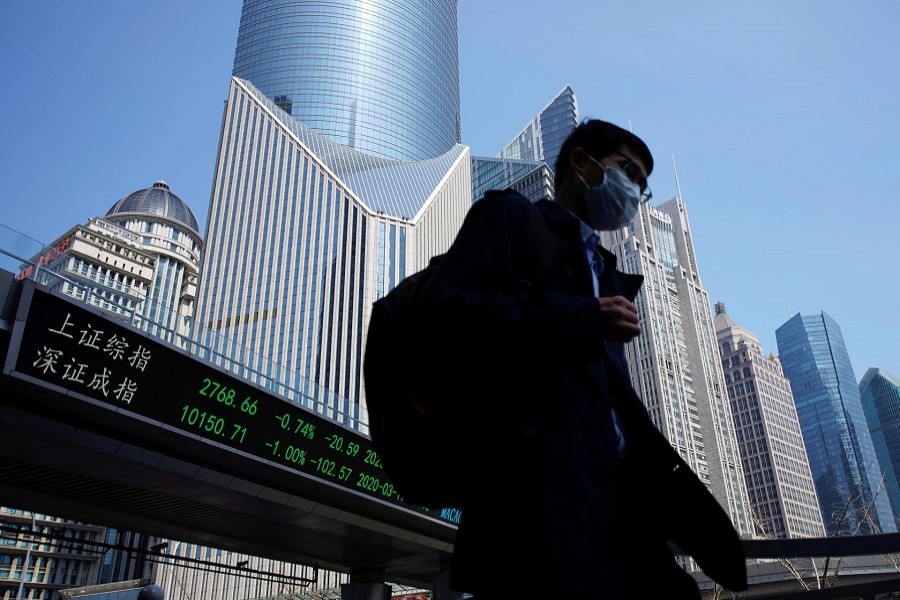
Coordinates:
column 73, row 463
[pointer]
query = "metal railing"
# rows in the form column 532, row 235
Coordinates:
column 30, row 259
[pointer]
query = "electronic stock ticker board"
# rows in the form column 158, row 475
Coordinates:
column 75, row 348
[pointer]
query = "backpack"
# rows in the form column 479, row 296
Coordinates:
column 411, row 428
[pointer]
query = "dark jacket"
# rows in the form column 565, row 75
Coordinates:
column 513, row 300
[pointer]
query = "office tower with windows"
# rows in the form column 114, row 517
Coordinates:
column 879, row 392
column 531, row 178
column 42, row 555
column 339, row 172
column 780, row 487
column 674, row 363
column 50, row 557
column 527, row 163
column 542, row 138
column 139, row 261
column 841, row 454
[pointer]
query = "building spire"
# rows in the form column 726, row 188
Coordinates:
column 720, row 308
column 677, row 185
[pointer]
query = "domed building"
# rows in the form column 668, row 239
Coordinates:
column 140, row 261
column 168, row 230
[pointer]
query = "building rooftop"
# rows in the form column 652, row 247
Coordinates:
column 157, row 201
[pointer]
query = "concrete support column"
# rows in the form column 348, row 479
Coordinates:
column 368, row 585
column 442, row 589
column 365, row 591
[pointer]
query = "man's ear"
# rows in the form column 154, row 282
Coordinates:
column 578, row 158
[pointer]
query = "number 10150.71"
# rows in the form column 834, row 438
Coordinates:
column 210, row 423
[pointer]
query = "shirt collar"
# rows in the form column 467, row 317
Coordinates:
column 589, row 237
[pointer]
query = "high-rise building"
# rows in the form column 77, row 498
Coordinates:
column 674, row 363
column 49, row 558
column 380, row 77
column 139, row 261
column 780, row 486
column 542, row 138
column 841, row 454
column 531, row 178
column 40, row 555
column 527, row 163
column 879, row 392
column 317, row 212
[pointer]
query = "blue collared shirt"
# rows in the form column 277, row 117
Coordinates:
column 591, row 239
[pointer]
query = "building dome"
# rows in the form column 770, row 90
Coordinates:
column 157, row 201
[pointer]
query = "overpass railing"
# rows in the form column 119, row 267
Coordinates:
column 30, row 259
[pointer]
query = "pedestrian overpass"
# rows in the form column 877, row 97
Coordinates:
column 114, row 421
column 102, row 422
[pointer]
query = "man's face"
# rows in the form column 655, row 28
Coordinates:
column 623, row 159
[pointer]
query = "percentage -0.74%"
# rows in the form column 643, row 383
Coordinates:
column 300, row 426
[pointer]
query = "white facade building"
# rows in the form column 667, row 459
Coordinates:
column 674, row 363
column 780, row 486
column 140, row 261
column 304, row 234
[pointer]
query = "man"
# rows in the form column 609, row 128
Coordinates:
column 576, row 493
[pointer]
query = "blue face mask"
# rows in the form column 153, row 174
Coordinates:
column 614, row 202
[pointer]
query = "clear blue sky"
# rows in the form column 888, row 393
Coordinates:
column 783, row 119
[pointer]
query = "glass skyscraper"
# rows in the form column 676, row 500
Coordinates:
column 380, row 77
column 338, row 174
column 880, row 395
column 841, row 454
column 531, row 178
column 542, row 138
column 527, row 163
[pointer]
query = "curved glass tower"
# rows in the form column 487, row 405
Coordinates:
column 380, row 76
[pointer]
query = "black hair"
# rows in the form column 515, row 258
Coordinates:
column 599, row 139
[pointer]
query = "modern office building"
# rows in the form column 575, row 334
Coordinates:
column 139, row 261
column 780, row 487
column 379, row 77
column 41, row 555
column 838, row 443
column 531, row 178
column 879, row 392
column 304, row 235
column 44, row 557
column 542, row 138
column 527, row 163
column 674, row 363
column 318, row 210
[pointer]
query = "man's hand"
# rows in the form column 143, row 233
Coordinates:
column 622, row 317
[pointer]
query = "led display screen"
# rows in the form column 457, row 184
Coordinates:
column 75, row 348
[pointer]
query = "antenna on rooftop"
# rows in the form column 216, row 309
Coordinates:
column 790, row 313
column 629, row 126
column 677, row 185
